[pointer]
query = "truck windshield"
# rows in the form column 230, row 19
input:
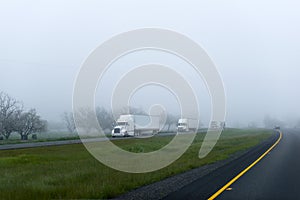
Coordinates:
column 181, row 124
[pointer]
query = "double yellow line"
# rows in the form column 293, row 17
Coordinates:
column 220, row 191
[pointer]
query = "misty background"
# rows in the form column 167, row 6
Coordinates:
column 254, row 44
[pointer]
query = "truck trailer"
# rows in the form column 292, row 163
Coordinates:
column 135, row 125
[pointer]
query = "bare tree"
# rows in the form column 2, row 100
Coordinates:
column 69, row 122
column 270, row 122
column 252, row 125
column 29, row 122
column 85, row 121
column 129, row 110
column 137, row 111
column 297, row 125
column 9, row 108
column 171, row 120
column 105, row 118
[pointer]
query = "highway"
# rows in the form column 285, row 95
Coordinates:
column 275, row 176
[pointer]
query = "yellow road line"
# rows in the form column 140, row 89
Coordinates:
column 245, row 170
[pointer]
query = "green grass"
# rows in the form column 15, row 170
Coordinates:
column 70, row 172
column 45, row 137
column 18, row 141
column 41, row 137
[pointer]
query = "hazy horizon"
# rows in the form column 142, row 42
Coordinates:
column 255, row 45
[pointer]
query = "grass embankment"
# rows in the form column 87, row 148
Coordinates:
column 41, row 137
column 70, row 172
column 18, row 141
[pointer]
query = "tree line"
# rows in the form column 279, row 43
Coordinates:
column 107, row 119
column 15, row 119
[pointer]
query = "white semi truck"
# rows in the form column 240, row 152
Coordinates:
column 135, row 125
column 187, row 124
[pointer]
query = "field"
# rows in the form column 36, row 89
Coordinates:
column 41, row 137
column 70, row 172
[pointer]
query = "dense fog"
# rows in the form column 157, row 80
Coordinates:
column 255, row 46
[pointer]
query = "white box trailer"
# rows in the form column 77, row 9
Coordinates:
column 135, row 125
column 187, row 124
column 217, row 125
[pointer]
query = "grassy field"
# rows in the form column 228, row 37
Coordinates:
column 70, row 172
column 45, row 137
column 41, row 137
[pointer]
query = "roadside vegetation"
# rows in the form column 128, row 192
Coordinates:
column 70, row 172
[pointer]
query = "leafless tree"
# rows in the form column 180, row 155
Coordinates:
column 137, row 111
column 69, row 122
column 170, row 120
column 85, row 121
column 29, row 122
column 129, row 110
column 105, row 118
column 252, row 125
column 297, row 125
column 9, row 107
column 270, row 122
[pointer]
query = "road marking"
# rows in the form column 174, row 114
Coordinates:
column 220, row 191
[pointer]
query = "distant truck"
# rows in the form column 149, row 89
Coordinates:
column 187, row 124
column 135, row 125
column 217, row 125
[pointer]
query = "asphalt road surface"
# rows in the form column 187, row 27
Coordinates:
column 276, row 176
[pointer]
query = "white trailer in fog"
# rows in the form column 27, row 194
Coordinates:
column 217, row 125
column 187, row 124
column 135, row 125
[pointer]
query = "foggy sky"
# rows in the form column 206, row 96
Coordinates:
column 254, row 44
